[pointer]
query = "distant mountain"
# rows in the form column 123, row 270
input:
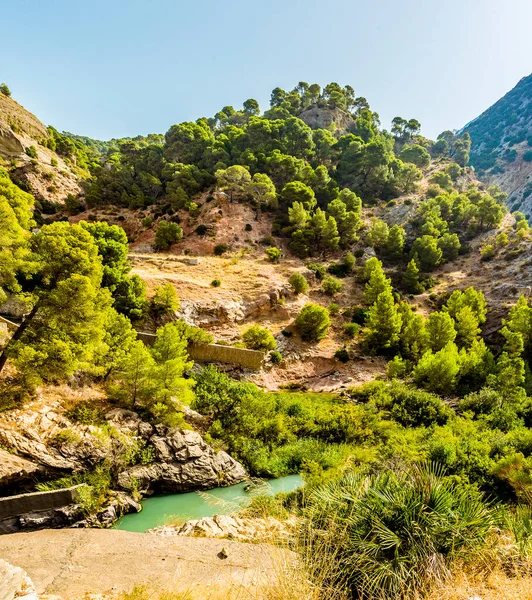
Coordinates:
column 501, row 145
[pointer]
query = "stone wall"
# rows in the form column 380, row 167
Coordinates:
column 13, row 506
column 249, row 359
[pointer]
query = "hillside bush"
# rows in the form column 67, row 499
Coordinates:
column 299, row 283
column 258, row 338
column 313, row 323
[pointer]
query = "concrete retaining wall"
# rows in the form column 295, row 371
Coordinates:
column 250, row 359
column 13, row 506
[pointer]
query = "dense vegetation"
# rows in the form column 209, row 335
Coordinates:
column 450, row 397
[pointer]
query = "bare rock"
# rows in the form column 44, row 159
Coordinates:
column 15, row 583
column 184, row 462
column 318, row 117
column 15, row 468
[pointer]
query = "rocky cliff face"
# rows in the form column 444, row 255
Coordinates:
column 19, row 130
column 44, row 444
column 326, row 118
column 501, row 145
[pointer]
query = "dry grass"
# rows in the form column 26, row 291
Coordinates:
column 492, row 586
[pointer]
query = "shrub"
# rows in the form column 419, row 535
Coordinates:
column 487, row 252
column 360, row 315
column 201, row 229
column 86, row 414
column 299, row 283
column 220, row 249
column 394, row 535
column 31, row 152
column 351, row 329
column 147, row 222
column 273, row 254
column 313, row 322
column 165, row 299
column 259, row 338
column 167, row 233
column 4, row 89
column 216, row 283
column 276, row 357
column 331, row 285
column 342, row 355
column 248, row 227
column 318, row 270
column 53, row 162
column 333, row 309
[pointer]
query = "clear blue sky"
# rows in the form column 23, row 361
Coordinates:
column 113, row 68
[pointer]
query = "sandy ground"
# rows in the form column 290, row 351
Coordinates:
column 71, row 562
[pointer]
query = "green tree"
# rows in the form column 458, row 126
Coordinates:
column 378, row 234
column 377, row 284
column 117, row 342
column 440, row 328
column 259, row 338
column 438, row 372
column 166, row 234
column 164, row 300
column 298, row 215
column 470, row 297
column 411, row 278
column 313, row 322
column 384, row 322
column 427, row 251
column 395, row 242
column 134, row 371
column 449, row 244
column 171, row 362
column 66, row 261
column 5, row 90
column 414, row 336
column 234, row 180
column 296, row 191
column 466, row 325
column 263, row 191
column 299, row 283
column 188, row 142
column 415, row 154
column 62, row 335
column 370, row 265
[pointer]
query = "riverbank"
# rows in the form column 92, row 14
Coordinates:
column 71, row 563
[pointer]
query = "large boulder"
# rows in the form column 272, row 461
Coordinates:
column 184, row 462
column 16, row 469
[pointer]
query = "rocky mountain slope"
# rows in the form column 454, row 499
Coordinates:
column 39, row 170
column 501, row 145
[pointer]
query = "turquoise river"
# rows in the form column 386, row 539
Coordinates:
column 159, row 510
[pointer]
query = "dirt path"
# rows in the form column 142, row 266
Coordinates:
column 72, row 562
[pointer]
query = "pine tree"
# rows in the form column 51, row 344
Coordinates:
column 330, row 237
column 395, row 242
column 170, row 354
column 466, row 325
column 377, row 284
column 440, row 328
column 384, row 322
column 411, row 278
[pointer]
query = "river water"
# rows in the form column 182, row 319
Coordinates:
column 159, row 510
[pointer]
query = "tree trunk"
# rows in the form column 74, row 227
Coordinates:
column 17, row 335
